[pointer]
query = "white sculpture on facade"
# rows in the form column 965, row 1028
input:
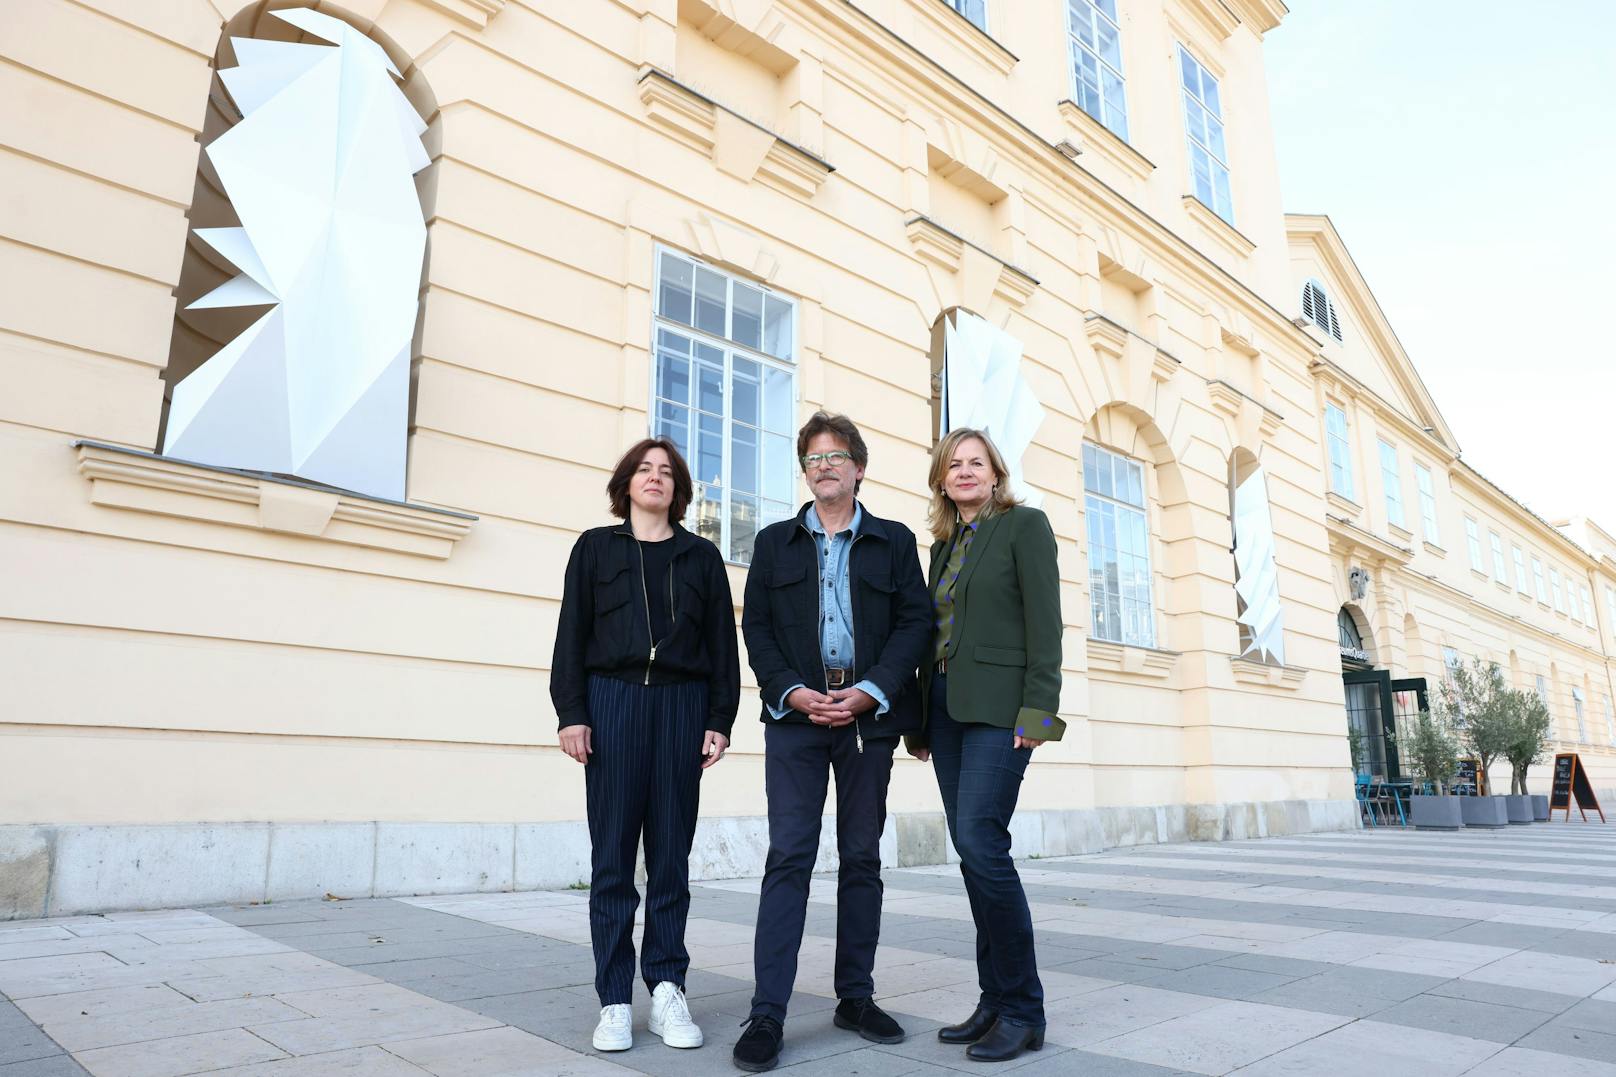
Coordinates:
column 320, row 172
column 1256, row 579
column 983, row 388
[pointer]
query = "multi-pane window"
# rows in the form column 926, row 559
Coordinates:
column 1473, row 541
column 1576, row 705
column 1393, row 483
column 1450, row 661
column 1335, row 435
column 1500, row 573
column 975, row 10
column 725, row 393
column 1588, row 617
column 1543, row 689
column 1520, row 568
column 1119, row 548
column 1554, row 586
column 1572, row 606
column 1537, row 580
column 1203, row 116
column 1428, row 528
column 1096, row 46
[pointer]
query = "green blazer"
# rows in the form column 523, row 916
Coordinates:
column 1004, row 653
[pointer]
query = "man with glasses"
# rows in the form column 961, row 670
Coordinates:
column 837, row 620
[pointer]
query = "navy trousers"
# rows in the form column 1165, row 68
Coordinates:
column 979, row 775
column 643, row 778
column 798, row 761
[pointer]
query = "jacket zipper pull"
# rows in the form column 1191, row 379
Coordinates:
column 858, row 737
column 648, row 662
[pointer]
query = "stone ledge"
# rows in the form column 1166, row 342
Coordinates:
column 1251, row 671
column 1095, row 137
column 124, row 478
column 1218, row 228
column 51, row 870
column 1135, row 661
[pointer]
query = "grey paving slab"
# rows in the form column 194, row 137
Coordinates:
column 1506, row 995
column 1590, row 1014
column 1221, row 981
column 1561, row 1039
column 60, row 1065
column 1464, row 1017
column 948, row 1057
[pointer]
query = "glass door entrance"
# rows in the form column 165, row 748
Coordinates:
column 1377, row 709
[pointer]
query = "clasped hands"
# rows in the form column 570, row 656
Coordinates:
column 832, row 709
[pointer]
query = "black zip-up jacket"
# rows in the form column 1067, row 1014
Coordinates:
column 605, row 626
column 892, row 617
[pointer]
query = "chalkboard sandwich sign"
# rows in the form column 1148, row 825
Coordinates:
column 1571, row 781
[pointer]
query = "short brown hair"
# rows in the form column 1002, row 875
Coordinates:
column 617, row 485
column 841, row 427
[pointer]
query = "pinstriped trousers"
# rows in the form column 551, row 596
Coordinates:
column 643, row 778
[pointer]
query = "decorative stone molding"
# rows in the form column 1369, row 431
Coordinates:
column 474, row 13
column 1220, row 229
column 946, row 250
column 1105, row 335
column 738, row 145
column 123, row 478
column 1250, row 671
column 1215, row 15
column 1349, row 507
column 968, row 36
column 1225, row 397
column 1134, row 661
column 1164, row 366
column 1096, row 138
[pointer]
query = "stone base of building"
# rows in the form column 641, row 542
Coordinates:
column 72, row 869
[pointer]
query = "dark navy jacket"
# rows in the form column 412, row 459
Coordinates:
column 892, row 617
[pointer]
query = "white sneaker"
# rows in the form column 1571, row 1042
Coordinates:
column 670, row 1017
column 616, row 1029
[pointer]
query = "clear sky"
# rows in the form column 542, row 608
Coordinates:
column 1466, row 152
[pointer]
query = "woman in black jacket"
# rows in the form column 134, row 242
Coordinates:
column 645, row 680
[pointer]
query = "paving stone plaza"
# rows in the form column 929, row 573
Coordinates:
column 1377, row 952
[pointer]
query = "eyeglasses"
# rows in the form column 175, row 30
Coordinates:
column 834, row 459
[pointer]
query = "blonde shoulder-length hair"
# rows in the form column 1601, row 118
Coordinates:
column 941, row 515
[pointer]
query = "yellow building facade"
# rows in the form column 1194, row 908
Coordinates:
column 709, row 218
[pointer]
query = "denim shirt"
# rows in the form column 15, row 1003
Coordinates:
column 836, row 605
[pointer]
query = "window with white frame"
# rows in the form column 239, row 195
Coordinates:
column 1610, row 606
column 1335, row 436
column 1554, row 588
column 1428, row 527
column 1543, row 689
column 1393, row 482
column 1450, row 662
column 725, row 393
column 1500, row 573
column 1096, row 47
column 1473, row 541
column 1520, row 568
column 1610, row 722
column 1588, row 617
column 975, row 10
column 1537, row 580
column 1573, row 607
column 1209, row 154
column 1576, row 705
column 1317, row 308
column 1119, row 548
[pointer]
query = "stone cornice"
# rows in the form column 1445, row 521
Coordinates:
column 1103, row 142
column 1251, row 671
column 1506, row 507
column 970, row 37
column 946, row 249
column 1144, row 662
column 1218, row 228
column 1432, row 445
column 474, row 13
column 1347, row 538
column 124, row 478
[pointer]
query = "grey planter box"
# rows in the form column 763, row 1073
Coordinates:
column 1519, row 807
column 1484, row 811
column 1436, row 813
column 1540, row 809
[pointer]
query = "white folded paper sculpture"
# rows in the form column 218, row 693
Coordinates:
column 983, row 388
column 320, row 172
column 1256, row 579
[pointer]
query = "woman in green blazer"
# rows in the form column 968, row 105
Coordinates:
column 990, row 698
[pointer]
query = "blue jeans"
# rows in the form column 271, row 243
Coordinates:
column 979, row 774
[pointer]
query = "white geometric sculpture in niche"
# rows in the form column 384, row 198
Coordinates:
column 320, row 172
column 1256, row 579
column 983, row 388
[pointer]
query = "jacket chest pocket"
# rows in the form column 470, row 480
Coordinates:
column 786, row 595
column 613, row 588
column 691, row 601
column 874, row 607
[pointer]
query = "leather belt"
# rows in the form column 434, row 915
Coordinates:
column 836, row 678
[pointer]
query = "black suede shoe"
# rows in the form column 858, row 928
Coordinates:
column 863, row 1016
column 758, row 1049
column 1005, row 1041
column 969, row 1030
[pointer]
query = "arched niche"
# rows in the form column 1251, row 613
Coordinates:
column 1413, row 646
column 1353, row 630
column 198, row 334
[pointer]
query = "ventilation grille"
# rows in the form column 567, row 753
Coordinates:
column 1317, row 308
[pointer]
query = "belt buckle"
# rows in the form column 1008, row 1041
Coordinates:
column 835, row 678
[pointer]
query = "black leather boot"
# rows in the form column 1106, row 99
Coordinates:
column 969, row 1030
column 1005, row 1041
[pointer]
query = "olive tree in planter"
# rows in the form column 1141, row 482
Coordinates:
column 1532, row 724
column 1434, row 751
column 1473, row 701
